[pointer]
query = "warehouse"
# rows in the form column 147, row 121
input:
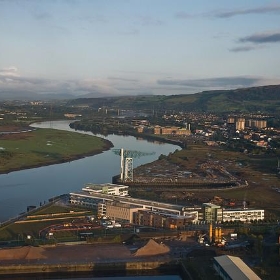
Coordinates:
column 229, row 267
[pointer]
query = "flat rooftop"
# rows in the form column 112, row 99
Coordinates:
column 95, row 187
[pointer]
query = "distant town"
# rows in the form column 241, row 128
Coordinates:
column 207, row 190
column 140, row 139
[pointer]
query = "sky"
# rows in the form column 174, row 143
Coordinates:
column 144, row 47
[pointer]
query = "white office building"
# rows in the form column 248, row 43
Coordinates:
column 243, row 215
column 108, row 188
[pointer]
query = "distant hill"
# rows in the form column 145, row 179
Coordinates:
column 31, row 96
column 264, row 99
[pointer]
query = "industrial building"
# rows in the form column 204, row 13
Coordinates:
column 171, row 130
column 214, row 213
column 113, row 201
column 242, row 215
column 111, row 189
column 121, row 211
column 122, row 207
column 229, row 267
column 163, row 220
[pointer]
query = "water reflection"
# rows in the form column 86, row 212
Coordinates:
column 35, row 186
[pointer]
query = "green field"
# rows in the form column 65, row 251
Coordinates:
column 15, row 233
column 44, row 147
column 48, row 215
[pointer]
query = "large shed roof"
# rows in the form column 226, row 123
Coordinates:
column 236, row 268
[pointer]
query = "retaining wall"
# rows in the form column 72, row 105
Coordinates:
column 37, row 269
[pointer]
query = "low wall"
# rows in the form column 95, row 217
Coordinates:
column 37, row 269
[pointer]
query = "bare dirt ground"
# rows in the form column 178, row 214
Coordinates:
column 10, row 128
column 81, row 253
column 9, row 132
column 152, row 248
column 259, row 184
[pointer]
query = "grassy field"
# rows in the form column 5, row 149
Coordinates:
column 44, row 147
column 40, row 219
column 37, row 223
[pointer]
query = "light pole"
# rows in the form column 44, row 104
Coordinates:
column 18, row 238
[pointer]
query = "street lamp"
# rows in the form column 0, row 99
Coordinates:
column 29, row 239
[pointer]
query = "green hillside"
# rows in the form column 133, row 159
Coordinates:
column 264, row 99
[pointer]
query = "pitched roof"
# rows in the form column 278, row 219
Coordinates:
column 236, row 268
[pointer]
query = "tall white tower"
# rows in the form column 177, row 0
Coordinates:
column 127, row 162
column 126, row 167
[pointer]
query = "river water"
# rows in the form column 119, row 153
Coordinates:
column 35, row 186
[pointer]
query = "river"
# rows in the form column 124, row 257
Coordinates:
column 35, row 186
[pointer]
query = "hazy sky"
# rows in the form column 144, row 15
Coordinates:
column 127, row 47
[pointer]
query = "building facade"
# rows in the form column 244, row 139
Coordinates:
column 108, row 188
column 121, row 211
column 212, row 213
column 161, row 220
column 242, row 215
column 171, row 130
column 112, row 201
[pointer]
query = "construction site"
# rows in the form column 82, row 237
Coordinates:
column 163, row 173
column 202, row 173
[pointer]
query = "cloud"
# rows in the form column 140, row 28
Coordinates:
column 261, row 38
column 148, row 21
column 219, row 83
column 11, row 81
column 242, row 49
column 183, row 15
column 10, row 71
column 91, row 19
column 269, row 9
column 123, row 79
column 120, row 85
column 132, row 32
column 266, row 9
column 41, row 15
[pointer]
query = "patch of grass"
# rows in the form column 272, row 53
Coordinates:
column 55, row 209
column 44, row 217
column 46, row 146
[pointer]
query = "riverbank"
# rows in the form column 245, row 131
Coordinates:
column 43, row 147
column 69, row 159
column 149, row 137
column 13, row 159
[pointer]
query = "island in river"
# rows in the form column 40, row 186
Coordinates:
column 30, row 148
